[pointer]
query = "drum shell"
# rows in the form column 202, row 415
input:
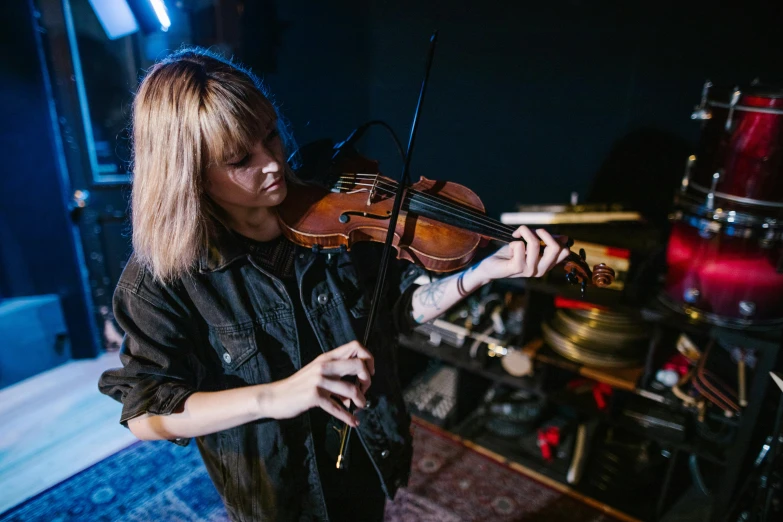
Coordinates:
column 748, row 155
column 724, row 275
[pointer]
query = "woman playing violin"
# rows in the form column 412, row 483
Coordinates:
column 239, row 339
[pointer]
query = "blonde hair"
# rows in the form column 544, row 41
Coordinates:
column 191, row 109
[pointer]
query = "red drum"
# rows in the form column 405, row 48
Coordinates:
column 739, row 164
column 725, row 274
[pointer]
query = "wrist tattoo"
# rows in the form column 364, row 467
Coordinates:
column 431, row 294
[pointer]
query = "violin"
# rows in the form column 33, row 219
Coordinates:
column 440, row 227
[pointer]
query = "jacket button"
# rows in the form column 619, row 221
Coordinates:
column 369, row 404
column 227, row 357
column 322, row 299
column 384, row 454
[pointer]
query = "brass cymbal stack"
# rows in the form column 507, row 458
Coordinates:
column 598, row 338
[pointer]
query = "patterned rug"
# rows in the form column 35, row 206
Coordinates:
column 451, row 482
column 162, row 481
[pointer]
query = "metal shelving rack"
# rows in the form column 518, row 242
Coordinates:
column 475, row 377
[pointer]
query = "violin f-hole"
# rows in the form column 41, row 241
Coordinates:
column 345, row 217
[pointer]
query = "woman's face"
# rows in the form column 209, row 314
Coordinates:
column 252, row 180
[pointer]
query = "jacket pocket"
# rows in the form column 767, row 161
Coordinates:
column 234, row 344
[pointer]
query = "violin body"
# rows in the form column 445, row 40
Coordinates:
column 314, row 217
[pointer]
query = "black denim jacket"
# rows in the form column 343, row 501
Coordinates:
column 231, row 324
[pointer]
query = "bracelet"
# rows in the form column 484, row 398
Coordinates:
column 461, row 286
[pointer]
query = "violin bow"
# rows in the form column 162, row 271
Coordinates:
column 345, row 433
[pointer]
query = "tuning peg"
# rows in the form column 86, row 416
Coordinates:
column 582, row 254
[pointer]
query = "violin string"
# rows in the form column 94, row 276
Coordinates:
column 484, row 230
column 478, row 216
column 473, row 213
column 489, row 226
column 440, row 203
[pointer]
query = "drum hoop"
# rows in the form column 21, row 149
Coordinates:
column 745, row 108
column 736, row 218
column 738, row 199
column 728, row 229
column 698, row 315
column 738, row 230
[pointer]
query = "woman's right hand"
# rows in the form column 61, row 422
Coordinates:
column 320, row 384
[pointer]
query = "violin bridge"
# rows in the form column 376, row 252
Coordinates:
column 371, row 195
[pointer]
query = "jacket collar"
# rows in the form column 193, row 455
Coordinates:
column 222, row 248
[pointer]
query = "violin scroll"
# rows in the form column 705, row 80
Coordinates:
column 579, row 273
column 603, row 276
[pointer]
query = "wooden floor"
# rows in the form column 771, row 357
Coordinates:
column 54, row 425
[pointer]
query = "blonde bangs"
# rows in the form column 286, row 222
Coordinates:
column 233, row 118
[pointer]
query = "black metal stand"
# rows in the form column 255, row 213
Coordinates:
column 737, row 459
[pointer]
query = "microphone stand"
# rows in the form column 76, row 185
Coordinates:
column 345, row 433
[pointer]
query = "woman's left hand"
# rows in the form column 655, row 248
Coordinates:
column 524, row 258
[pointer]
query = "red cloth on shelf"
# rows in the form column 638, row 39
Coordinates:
column 548, row 440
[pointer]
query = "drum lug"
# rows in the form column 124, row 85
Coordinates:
column 735, row 96
column 710, row 204
column 686, row 179
column 747, row 309
column 708, row 229
column 702, row 112
column 691, row 295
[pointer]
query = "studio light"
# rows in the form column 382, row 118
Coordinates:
column 116, row 17
column 162, row 14
column 123, row 17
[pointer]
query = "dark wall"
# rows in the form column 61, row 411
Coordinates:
column 321, row 72
column 528, row 101
column 38, row 246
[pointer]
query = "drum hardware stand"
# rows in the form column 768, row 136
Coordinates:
column 753, row 499
column 769, row 452
column 702, row 112
column 735, row 96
